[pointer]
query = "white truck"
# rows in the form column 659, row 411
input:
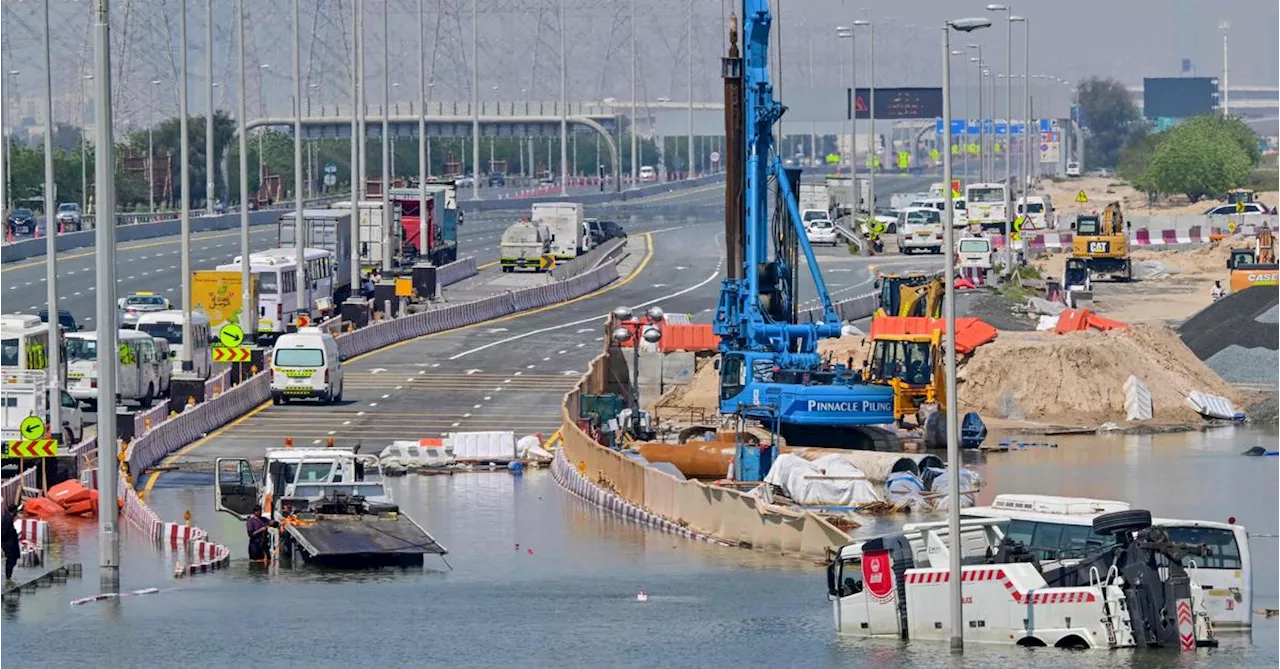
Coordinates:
column 814, row 202
column 330, row 230
column 526, row 245
column 563, row 221
column 371, row 232
column 330, row 506
column 26, row 393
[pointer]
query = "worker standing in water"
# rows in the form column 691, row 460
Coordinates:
column 257, row 527
column 9, row 541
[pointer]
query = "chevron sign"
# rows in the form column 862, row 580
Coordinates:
column 1186, row 626
column 226, row 354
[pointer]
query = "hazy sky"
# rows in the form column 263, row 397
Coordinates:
column 1126, row 39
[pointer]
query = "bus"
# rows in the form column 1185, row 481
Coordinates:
column 275, row 276
column 167, row 325
column 140, row 369
column 1057, row 528
column 24, row 344
column 986, row 205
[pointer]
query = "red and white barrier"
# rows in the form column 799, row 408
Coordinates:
column 178, row 534
column 32, row 531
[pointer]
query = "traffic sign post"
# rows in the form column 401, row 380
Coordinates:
column 230, row 354
column 1081, row 197
column 715, row 156
column 31, row 448
column 231, row 335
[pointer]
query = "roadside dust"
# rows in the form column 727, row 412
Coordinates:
column 1078, row 378
column 1103, row 190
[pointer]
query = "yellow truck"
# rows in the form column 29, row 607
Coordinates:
column 217, row 294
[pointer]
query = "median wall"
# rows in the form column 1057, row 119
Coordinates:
column 724, row 514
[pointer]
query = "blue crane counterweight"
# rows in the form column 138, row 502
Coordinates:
column 770, row 371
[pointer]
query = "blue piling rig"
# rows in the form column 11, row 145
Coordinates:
column 770, row 369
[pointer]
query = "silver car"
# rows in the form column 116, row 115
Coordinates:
column 133, row 306
column 69, row 217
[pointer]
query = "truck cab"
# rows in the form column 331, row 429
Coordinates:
column 26, row 393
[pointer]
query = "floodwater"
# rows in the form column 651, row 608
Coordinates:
column 539, row 579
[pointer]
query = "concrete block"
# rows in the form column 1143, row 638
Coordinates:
column 1137, row 399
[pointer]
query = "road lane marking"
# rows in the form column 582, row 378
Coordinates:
column 168, row 461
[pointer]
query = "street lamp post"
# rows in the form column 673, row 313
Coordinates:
column 262, row 111
column 871, row 117
column 965, row 105
column 841, row 33
column 689, row 54
column 646, row 328
column 564, row 107
column 248, row 319
column 387, row 235
column 8, row 141
column 151, row 122
column 423, row 244
column 475, row 99
column 982, row 126
column 949, row 308
column 299, row 223
column 185, row 207
column 84, row 153
column 1225, row 27
column 209, row 188
column 1008, row 127
column 51, row 241
column 635, row 158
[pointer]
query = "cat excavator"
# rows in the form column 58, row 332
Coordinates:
column 1102, row 242
column 910, row 294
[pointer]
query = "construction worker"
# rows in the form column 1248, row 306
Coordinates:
column 1218, row 291
column 9, row 541
column 257, row 526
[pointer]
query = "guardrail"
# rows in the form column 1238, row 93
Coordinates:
column 588, row 260
column 849, row 309
column 455, row 272
column 127, row 232
column 605, row 198
column 12, row 487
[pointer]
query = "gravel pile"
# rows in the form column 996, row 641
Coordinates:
column 1237, row 364
column 1239, row 319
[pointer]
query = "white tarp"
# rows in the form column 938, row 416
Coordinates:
column 807, row 483
column 905, row 490
column 530, row 448
column 482, row 446
column 970, row 481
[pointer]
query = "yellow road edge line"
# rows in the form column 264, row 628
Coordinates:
column 648, row 238
column 155, row 475
column 487, row 265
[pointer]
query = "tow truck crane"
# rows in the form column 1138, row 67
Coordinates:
column 771, row 373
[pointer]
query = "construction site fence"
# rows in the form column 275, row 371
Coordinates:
column 722, row 513
column 588, row 261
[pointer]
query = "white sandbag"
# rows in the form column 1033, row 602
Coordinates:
column 940, row 485
column 827, row 481
column 530, row 448
column 904, row 490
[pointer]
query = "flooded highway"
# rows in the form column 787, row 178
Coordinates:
column 540, row 578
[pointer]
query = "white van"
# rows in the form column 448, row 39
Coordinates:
column 1038, row 210
column 1073, row 168
column 138, row 367
column 168, row 325
column 960, row 220
column 919, row 229
column 306, row 364
column 165, row 355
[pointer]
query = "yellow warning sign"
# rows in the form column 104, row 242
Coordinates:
column 1081, row 197
column 404, row 287
column 1231, row 227
column 1240, row 207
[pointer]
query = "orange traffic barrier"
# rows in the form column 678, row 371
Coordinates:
column 42, row 507
column 1102, row 323
column 970, row 332
column 1072, row 320
column 68, row 493
column 688, row 337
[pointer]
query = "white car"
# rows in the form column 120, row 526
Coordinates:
column 133, row 306
column 1250, row 209
column 1073, row 169
column 822, row 231
column 647, row 173
column 919, row 229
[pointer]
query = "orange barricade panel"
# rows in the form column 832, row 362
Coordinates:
column 1071, row 320
column 1103, row 323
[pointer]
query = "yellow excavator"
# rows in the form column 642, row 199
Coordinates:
column 911, row 364
column 1255, row 266
column 1102, row 242
column 911, row 294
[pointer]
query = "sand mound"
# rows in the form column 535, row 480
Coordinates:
column 702, row 393
column 849, row 350
column 1101, row 190
column 1078, row 378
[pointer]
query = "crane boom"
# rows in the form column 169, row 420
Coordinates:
column 771, row 371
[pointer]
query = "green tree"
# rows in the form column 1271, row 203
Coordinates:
column 165, row 138
column 1227, row 129
column 1109, row 112
column 1199, row 160
column 1139, row 149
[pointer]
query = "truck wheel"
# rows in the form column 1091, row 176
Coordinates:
column 1118, row 522
column 148, row 398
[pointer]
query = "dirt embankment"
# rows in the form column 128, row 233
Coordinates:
column 1102, row 190
column 1078, row 378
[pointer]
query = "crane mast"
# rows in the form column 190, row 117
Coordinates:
column 771, row 372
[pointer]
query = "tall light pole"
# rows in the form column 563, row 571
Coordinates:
column 564, row 109
column 1008, row 121
column 689, row 38
column 262, row 132
column 208, row 122
column 84, row 154
column 871, row 116
column 1225, row 27
column 361, row 110
column 185, row 156
column 354, row 170
column 1027, row 142
column 423, row 246
column 8, row 140
column 51, row 242
column 299, row 223
column 105, row 276
column 949, row 309
column 386, row 141
column 1008, row 124
column 635, row 158
column 982, row 126
column 248, row 317
column 475, row 99
column 965, row 104
column 151, row 122
column 841, row 33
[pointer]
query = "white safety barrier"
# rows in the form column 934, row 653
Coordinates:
column 848, row 309
column 481, row 446
column 193, row 423
column 13, row 485
column 217, row 384
column 145, row 421
column 455, row 272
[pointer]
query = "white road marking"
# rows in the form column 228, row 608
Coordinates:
column 496, row 330
column 346, row 422
column 375, row 370
column 466, row 415
column 469, row 372
column 581, row 330
column 508, row 380
column 373, row 404
column 517, row 373
column 664, row 298
column 359, row 413
column 477, row 406
column 488, row 397
column 528, row 366
column 331, row 432
column 545, row 359
column 561, row 352
column 399, row 387
column 568, row 373
column 659, row 285
column 681, row 267
column 386, row 396
column 453, row 425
